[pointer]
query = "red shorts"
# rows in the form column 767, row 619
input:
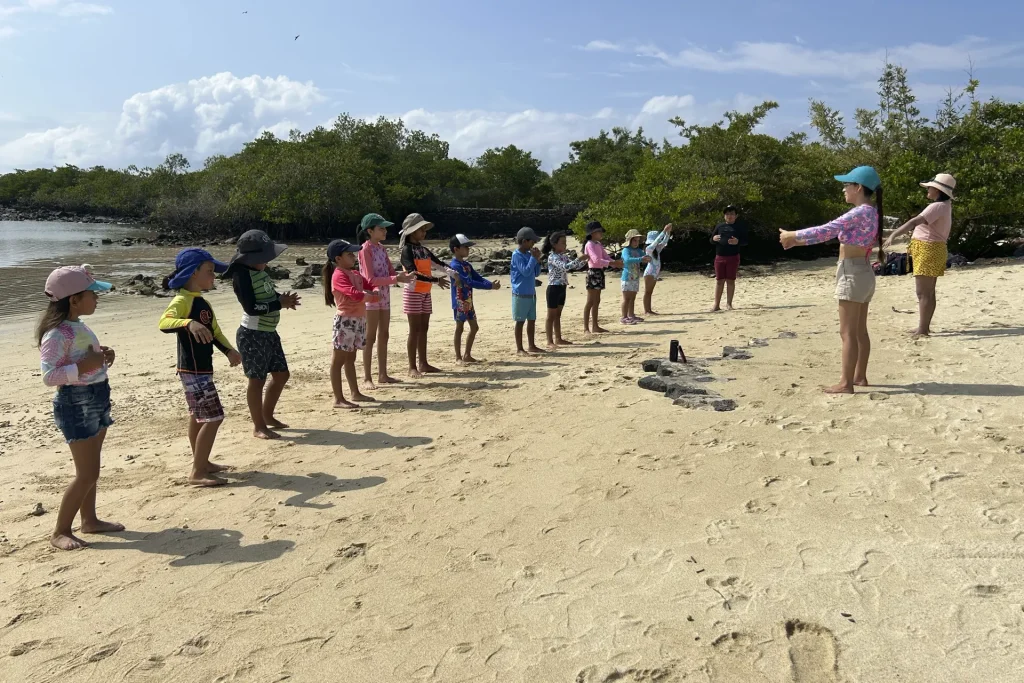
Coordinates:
column 726, row 267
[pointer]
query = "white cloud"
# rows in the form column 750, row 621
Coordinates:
column 603, row 46
column 82, row 9
column 7, row 32
column 667, row 103
column 211, row 115
column 797, row 59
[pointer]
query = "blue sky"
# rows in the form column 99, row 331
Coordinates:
column 116, row 82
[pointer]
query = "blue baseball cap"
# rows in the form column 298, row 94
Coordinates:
column 188, row 262
column 338, row 247
column 862, row 175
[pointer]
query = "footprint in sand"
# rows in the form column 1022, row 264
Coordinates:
column 735, row 659
column 813, row 653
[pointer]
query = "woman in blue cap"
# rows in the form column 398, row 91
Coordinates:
column 190, row 317
column 858, row 230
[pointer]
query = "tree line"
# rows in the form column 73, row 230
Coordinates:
column 322, row 180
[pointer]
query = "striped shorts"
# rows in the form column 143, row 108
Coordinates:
column 417, row 303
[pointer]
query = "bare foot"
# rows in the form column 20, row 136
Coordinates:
column 650, row 313
column 274, row 423
column 552, row 346
column 363, row 398
column 205, row 480
column 213, row 468
column 861, row 382
column 839, row 389
column 265, row 434
column 536, row 349
column 715, row 309
column 414, row 373
column 67, row 542
column 563, row 342
column 729, row 306
column 368, row 383
column 429, row 370
column 600, row 330
column 521, row 352
column 101, row 527
column 385, row 379
column 469, row 359
column 345, row 405
column 918, row 333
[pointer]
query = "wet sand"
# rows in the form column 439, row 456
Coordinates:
column 544, row 519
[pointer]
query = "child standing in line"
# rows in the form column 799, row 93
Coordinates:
column 346, row 289
column 462, row 295
column 72, row 360
column 525, row 269
column 559, row 265
column 190, row 317
column 656, row 241
column 375, row 266
column 633, row 261
column 257, row 338
column 416, row 301
column 597, row 260
column 727, row 237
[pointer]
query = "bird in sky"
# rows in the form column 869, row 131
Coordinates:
column 297, row 37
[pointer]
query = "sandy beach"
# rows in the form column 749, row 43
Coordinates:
column 544, row 519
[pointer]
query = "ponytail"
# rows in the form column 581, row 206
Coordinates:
column 166, row 282
column 56, row 313
column 586, row 239
column 881, row 222
column 551, row 240
column 325, row 276
column 362, row 235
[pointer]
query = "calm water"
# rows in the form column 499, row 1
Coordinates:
column 30, row 250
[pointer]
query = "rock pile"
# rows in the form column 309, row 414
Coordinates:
column 679, row 382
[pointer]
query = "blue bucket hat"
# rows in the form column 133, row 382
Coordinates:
column 862, row 175
column 188, row 262
column 651, row 236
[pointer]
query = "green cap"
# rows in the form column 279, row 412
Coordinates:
column 372, row 220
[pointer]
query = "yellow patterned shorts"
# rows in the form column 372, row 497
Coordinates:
column 929, row 258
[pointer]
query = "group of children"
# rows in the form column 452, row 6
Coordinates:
column 357, row 279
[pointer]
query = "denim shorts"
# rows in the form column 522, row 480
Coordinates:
column 82, row 412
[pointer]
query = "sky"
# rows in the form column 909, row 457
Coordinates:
column 119, row 82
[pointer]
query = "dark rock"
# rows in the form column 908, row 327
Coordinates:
column 676, row 388
column 720, row 405
column 670, row 369
column 501, row 254
column 313, row 270
column 758, row 342
column 303, row 282
column 653, row 383
column 229, row 241
column 38, row 510
column 278, row 273
column 787, row 335
column 732, row 353
column 106, row 240
column 301, row 261
column 652, row 364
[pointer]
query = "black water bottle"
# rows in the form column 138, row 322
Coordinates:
column 673, row 351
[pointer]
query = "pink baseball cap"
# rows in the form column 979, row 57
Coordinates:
column 68, row 280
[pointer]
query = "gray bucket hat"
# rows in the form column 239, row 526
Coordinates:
column 254, row 247
column 526, row 234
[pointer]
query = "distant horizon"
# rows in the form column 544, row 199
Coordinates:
column 84, row 84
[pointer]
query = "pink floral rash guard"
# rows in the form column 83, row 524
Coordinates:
column 857, row 227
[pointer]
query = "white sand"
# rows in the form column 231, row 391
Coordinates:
column 545, row 519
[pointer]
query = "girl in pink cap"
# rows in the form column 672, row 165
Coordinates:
column 73, row 361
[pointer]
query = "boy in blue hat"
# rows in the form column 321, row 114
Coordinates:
column 191, row 318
